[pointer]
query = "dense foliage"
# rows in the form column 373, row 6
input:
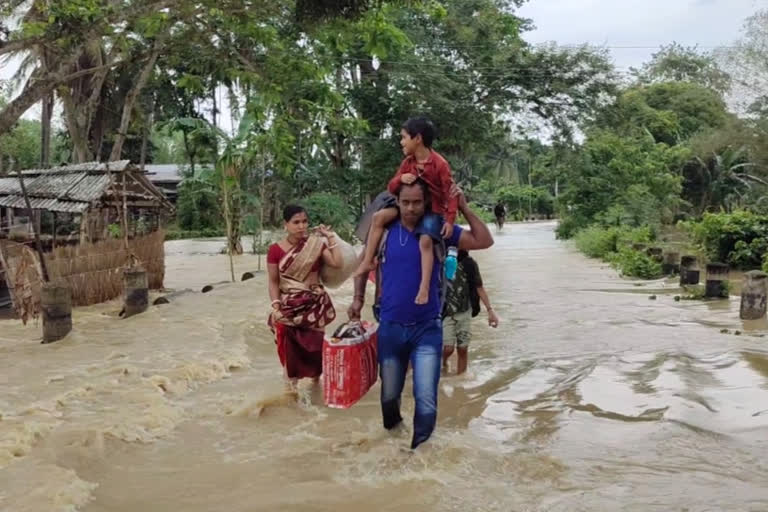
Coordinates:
column 315, row 94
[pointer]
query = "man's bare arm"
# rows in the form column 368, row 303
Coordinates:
column 358, row 301
column 478, row 236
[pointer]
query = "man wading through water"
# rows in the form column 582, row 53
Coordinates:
column 411, row 332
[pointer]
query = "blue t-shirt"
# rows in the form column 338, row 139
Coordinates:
column 401, row 275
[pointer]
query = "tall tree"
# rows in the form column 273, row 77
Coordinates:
column 88, row 38
column 747, row 61
column 677, row 63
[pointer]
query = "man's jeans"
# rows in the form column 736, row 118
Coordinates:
column 422, row 345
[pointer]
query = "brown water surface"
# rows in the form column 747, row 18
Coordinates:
column 588, row 397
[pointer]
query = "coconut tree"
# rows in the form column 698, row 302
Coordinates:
column 722, row 179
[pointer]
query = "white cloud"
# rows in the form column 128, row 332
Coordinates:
column 637, row 23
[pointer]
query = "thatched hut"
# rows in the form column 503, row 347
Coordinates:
column 82, row 213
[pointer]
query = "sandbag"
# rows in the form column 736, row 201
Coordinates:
column 335, row 277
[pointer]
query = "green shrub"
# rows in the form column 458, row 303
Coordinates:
column 568, row 227
column 614, row 246
column 739, row 238
column 197, row 206
column 597, row 242
column 632, row 263
column 331, row 210
column 697, row 292
column 527, row 200
column 641, row 235
column 483, row 211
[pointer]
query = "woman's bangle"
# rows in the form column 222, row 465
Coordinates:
column 276, row 301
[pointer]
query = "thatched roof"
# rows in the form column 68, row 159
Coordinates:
column 77, row 187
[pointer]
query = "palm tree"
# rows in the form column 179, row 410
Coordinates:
column 721, row 180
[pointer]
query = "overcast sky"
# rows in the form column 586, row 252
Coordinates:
column 646, row 23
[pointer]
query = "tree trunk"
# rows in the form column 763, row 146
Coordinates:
column 130, row 100
column 82, row 100
column 236, row 212
column 40, row 83
column 262, row 198
column 145, row 136
column 228, row 223
column 215, row 111
column 45, row 131
column 188, row 151
column 78, row 132
column 36, row 88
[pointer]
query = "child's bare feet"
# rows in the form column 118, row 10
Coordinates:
column 423, row 295
column 364, row 268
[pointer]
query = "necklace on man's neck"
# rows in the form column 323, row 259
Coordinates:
column 400, row 236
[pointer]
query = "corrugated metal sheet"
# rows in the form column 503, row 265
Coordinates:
column 52, row 185
column 73, row 188
column 90, row 188
column 118, row 166
column 9, row 185
column 42, row 203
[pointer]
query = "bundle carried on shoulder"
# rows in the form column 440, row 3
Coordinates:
column 350, row 366
column 335, row 277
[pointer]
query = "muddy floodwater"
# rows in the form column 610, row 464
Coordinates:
column 589, row 396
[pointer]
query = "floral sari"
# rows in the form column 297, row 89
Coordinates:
column 304, row 311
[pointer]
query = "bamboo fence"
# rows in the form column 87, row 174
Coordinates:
column 94, row 271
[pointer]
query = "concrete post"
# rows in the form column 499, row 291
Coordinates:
column 671, row 264
column 689, row 271
column 717, row 280
column 56, row 305
column 209, row 287
column 136, row 291
column 753, row 295
column 167, row 299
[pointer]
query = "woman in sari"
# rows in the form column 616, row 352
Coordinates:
column 301, row 308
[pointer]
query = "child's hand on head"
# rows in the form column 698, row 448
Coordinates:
column 447, row 230
column 408, row 178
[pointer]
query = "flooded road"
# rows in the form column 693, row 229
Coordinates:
column 588, row 397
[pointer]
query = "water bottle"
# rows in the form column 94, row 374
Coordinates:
column 451, row 263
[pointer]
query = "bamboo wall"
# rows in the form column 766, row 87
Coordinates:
column 92, row 270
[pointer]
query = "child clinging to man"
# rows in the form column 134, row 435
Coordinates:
column 421, row 161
